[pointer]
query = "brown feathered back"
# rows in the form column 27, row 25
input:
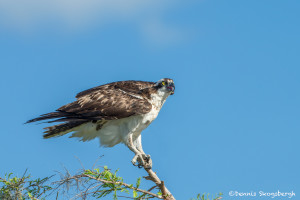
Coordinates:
column 106, row 102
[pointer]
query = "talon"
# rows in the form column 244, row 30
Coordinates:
column 148, row 161
column 140, row 166
column 138, row 158
column 133, row 161
column 147, row 158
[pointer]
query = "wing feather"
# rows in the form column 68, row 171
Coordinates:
column 111, row 101
column 129, row 86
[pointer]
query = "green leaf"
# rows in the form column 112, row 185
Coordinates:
column 134, row 194
column 138, row 182
column 203, row 197
column 115, row 195
column 29, row 194
column 125, row 190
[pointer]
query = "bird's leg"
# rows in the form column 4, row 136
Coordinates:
column 146, row 158
column 138, row 155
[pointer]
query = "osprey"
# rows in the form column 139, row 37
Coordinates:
column 115, row 113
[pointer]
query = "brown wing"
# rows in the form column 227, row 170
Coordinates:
column 111, row 101
column 129, row 86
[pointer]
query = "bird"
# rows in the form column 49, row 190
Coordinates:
column 115, row 113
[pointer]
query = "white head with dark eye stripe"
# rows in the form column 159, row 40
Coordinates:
column 166, row 85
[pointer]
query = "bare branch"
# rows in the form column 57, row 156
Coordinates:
column 153, row 177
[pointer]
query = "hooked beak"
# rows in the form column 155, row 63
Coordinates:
column 171, row 88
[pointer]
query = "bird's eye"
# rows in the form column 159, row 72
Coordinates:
column 163, row 83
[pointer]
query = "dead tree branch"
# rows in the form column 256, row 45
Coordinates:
column 166, row 194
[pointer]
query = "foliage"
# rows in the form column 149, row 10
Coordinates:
column 14, row 188
column 207, row 197
column 100, row 183
column 91, row 183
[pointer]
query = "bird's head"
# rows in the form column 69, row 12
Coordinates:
column 166, row 85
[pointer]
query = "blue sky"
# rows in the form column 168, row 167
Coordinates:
column 233, row 123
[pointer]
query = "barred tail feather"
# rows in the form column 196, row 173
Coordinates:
column 70, row 120
column 61, row 129
column 52, row 115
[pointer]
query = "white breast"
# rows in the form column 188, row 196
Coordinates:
column 157, row 101
column 145, row 121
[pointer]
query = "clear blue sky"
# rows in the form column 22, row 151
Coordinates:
column 233, row 123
